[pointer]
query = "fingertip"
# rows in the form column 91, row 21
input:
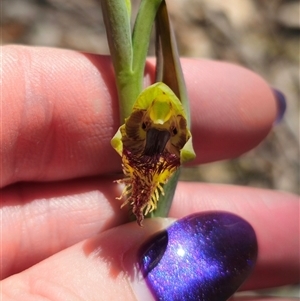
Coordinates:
column 238, row 93
column 232, row 108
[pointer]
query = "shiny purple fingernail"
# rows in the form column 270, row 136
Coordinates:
column 204, row 256
column 281, row 105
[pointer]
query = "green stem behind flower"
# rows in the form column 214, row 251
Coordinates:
column 168, row 70
column 168, row 62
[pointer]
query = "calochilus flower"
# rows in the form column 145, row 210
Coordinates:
column 153, row 143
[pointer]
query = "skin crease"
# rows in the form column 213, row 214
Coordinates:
column 56, row 124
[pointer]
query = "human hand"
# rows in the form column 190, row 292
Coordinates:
column 64, row 236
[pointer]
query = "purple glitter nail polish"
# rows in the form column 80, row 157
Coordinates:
column 204, row 256
column 281, row 105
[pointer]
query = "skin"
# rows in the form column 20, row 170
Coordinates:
column 63, row 234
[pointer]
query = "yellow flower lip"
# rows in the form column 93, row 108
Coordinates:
column 160, row 110
column 156, row 141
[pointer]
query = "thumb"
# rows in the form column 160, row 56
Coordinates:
column 204, row 256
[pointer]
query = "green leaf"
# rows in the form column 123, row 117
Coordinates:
column 168, row 60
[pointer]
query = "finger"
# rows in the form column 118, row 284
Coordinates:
column 38, row 220
column 68, row 214
column 102, row 267
column 85, row 271
column 59, row 122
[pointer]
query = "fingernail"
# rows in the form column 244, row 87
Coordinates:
column 204, row 256
column 281, row 105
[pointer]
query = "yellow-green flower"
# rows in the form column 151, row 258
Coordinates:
column 153, row 143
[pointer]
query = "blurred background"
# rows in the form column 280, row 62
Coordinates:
column 261, row 35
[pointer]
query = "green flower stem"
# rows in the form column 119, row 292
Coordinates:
column 128, row 51
column 141, row 35
column 116, row 15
